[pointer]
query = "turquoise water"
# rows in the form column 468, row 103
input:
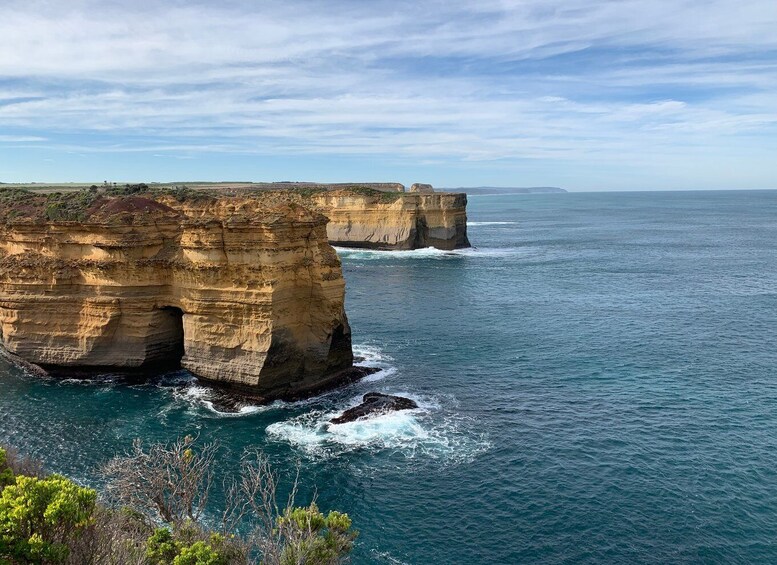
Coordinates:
column 597, row 382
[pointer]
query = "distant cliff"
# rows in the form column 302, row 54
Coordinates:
column 378, row 215
column 375, row 215
column 395, row 221
column 243, row 291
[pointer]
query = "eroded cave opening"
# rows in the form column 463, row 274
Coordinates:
column 340, row 352
column 165, row 345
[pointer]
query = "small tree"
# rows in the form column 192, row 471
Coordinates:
column 171, row 482
column 167, row 481
column 288, row 535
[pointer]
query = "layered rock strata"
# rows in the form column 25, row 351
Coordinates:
column 243, row 294
column 375, row 215
column 394, row 221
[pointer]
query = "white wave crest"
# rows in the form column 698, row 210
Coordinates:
column 426, row 253
column 373, row 356
column 422, row 431
column 187, row 389
column 199, row 396
column 490, row 223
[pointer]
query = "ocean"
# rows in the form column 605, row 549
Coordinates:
column 597, row 381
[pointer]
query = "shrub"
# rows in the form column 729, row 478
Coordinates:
column 69, row 206
column 53, row 520
column 165, row 547
column 170, row 482
column 310, row 537
column 161, row 548
column 40, row 517
column 6, row 474
column 199, row 553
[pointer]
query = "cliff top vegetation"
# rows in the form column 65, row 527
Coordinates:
column 152, row 514
column 22, row 205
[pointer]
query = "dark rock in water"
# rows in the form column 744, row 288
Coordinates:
column 375, row 403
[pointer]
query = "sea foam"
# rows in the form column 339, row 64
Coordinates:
column 477, row 224
column 425, row 253
column 428, row 431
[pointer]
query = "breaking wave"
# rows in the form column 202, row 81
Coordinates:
column 490, row 223
column 429, row 431
column 185, row 387
column 349, row 253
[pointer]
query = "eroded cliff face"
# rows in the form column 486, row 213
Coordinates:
column 244, row 294
column 395, row 221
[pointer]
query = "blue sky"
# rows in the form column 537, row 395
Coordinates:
column 583, row 94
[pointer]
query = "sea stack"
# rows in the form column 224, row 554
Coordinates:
column 244, row 294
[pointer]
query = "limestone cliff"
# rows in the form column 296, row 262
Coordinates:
column 241, row 292
column 395, row 221
column 373, row 215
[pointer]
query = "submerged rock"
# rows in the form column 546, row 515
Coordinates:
column 375, row 403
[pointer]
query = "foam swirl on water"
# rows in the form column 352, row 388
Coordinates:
column 188, row 389
column 428, row 430
column 348, row 253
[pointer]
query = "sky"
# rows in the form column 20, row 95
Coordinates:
column 581, row 94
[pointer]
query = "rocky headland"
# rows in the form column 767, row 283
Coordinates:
column 382, row 216
column 395, row 221
column 239, row 290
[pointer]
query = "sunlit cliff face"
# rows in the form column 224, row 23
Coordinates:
column 238, row 292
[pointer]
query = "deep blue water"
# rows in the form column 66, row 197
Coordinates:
column 597, row 379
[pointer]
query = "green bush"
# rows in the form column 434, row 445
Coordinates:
column 199, row 553
column 6, row 474
column 69, row 206
column 39, row 517
column 312, row 537
column 166, row 548
column 161, row 547
column 52, row 520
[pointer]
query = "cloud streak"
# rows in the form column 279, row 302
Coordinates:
column 563, row 82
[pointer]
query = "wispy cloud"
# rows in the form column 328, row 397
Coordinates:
column 20, row 138
column 567, row 82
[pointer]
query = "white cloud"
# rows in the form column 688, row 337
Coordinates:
column 417, row 80
column 20, row 138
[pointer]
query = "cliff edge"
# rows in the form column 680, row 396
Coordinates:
column 241, row 292
column 395, row 221
column 376, row 215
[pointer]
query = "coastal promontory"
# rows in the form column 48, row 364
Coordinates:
column 238, row 290
column 381, row 216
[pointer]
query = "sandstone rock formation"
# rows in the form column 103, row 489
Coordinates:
column 373, row 215
column 243, row 293
column 394, row 221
